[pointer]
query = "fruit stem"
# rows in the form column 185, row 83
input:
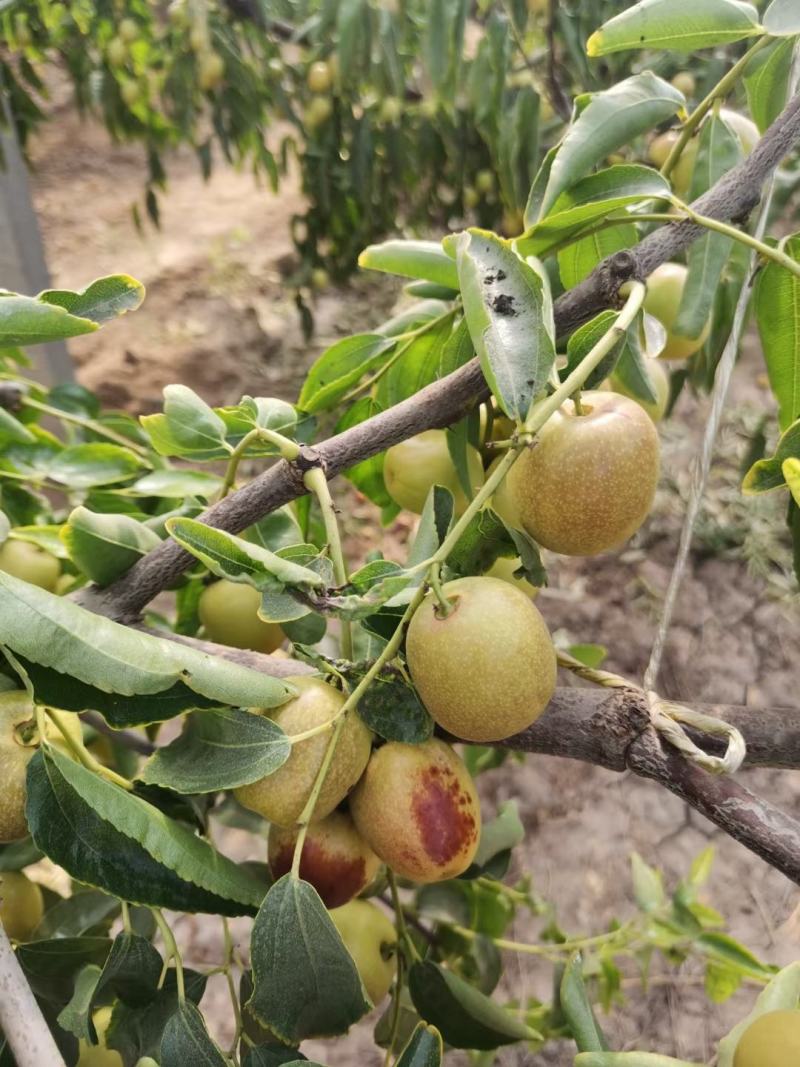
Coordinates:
column 81, row 754
column 288, row 449
column 307, row 813
column 722, row 87
column 171, row 952
column 126, row 917
column 445, row 606
column 576, row 400
column 316, row 482
column 237, row 1013
column 764, row 250
column 400, row 919
column 87, row 424
column 394, row 1029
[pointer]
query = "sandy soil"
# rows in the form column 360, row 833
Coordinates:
column 218, row 318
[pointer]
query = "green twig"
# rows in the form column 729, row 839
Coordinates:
column 237, row 1012
column 84, row 423
column 171, row 952
column 82, row 755
column 307, row 813
column 288, row 449
column 402, row 930
column 316, row 482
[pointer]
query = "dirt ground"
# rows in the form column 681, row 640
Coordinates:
column 218, row 318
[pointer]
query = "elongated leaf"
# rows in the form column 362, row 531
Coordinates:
column 305, row 981
column 463, row 1015
column 777, row 304
column 508, row 312
column 59, row 634
column 137, row 1030
column 791, row 472
column 782, row 17
column 582, row 256
column 647, row 884
column 631, row 368
column 679, row 25
column 177, row 483
column 340, row 367
column 188, row 427
column 87, row 911
column 105, row 546
column 719, row 151
column 186, row 1041
column 218, row 749
column 100, row 301
column 51, row 966
column 603, row 123
column 367, row 476
column 232, row 557
column 11, row 429
column 590, row 200
column 577, row 1008
column 106, row 837
column 782, row 993
column 27, row 320
column 417, row 367
column 425, row 260
column 766, row 474
column 79, row 466
column 766, row 81
column 424, row 1049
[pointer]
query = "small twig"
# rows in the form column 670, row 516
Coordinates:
column 21, row 1020
column 171, row 952
column 316, row 482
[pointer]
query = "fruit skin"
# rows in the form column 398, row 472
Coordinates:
column 318, row 111
column 336, row 859
column 659, row 379
column 684, row 82
column 30, row 563
column 412, row 467
column 319, row 77
column 21, row 905
column 488, row 669
column 117, row 52
column 128, row 30
column 588, row 482
column 99, row 1055
column 663, row 300
column 771, row 1040
column 416, row 806
column 227, row 610
column 744, row 128
column 370, row 938
column 280, row 797
column 504, row 567
column 212, row 70
column 484, row 181
column 681, row 176
column 502, row 501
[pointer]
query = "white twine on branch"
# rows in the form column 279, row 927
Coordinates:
column 666, row 717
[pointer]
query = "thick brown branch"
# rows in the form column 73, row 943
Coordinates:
column 443, row 402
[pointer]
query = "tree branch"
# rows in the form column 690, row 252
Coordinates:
column 21, row 1019
column 445, row 401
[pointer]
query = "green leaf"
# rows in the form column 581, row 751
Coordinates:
column 721, row 981
column 719, row 150
column 590, row 655
column 105, row 546
column 76, row 1015
column 463, row 1015
column 80, row 466
column 186, row 1041
column 580, row 258
column 498, row 837
column 425, row 260
column 631, row 368
column 279, row 529
column 340, row 367
column 591, row 200
column 367, row 476
column 791, row 472
column 188, row 427
column 101, row 301
column 777, row 305
column 725, row 948
column 87, row 911
column 678, row 25
column 424, row 1049
column 766, row 81
column 576, row 1006
column 584, row 339
column 648, row 887
column 767, row 474
column 136, row 1030
column 106, row 837
column 132, row 970
column 700, row 869
column 177, row 483
column 782, row 18
column 782, row 993
column 509, row 315
column 393, row 710
column 305, row 981
column 603, row 123
column 12, row 430
column 18, row 854
column 234, row 558
column 218, row 749
column 27, row 320
column 51, row 966
column 418, row 366
column 56, row 633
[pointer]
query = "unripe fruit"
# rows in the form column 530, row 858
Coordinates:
column 504, row 569
column 391, row 110
column 128, row 30
column 21, row 905
column 30, row 563
column 99, row 1055
column 336, row 859
column 744, row 128
column 663, row 300
column 488, row 669
column 416, row 806
column 412, row 467
column 681, row 176
column 212, row 69
column 503, row 501
column 319, row 78
column 471, row 197
column 370, row 938
column 684, row 82
column 659, row 379
column 318, row 112
column 771, row 1040
column 129, row 91
column 227, row 610
column 117, row 52
column 320, row 278
column 281, row 797
column 588, row 482
column 484, row 181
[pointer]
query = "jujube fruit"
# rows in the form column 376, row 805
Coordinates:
column 684, row 82
column 117, row 52
column 659, row 379
column 99, row 1055
column 504, row 568
column 663, row 300
column 370, row 938
column 21, row 905
column 30, row 563
column 320, row 77
column 588, row 482
column 416, row 806
column 281, row 796
column 128, row 30
column 212, row 69
column 318, row 111
column 336, row 859
column 771, row 1040
column 487, row 669
column 411, row 468
column 228, row 610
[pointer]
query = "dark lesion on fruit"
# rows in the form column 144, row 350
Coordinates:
column 443, row 815
column 503, row 304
